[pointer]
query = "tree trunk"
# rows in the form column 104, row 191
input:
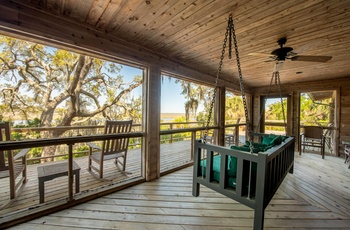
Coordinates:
column 47, row 152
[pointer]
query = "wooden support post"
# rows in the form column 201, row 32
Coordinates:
column 220, row 115
column 196, row 167
column 2, row 161
column 289, row 115
column 337, row 121
column 151, row 122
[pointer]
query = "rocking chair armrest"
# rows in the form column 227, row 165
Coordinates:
column 93, row 146
column 21, row 154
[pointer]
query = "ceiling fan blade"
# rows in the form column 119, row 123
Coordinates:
column 261, row 55
column 311, row 58
column 309, row 45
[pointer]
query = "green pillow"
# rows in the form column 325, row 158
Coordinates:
column 256, row 147
column 231, row 180
column 232, row 166
column 278, row 139
column 268, row 140
column 216, row 164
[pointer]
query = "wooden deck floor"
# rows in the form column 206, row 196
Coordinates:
column 316, row 196
column 172, row 155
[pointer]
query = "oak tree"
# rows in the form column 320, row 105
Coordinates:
column 62, row 87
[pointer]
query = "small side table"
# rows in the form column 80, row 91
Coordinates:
column 52, row 171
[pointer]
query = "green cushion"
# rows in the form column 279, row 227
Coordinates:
column 216, row 164
column 276, row 139
column 231, row 180
column 231, row 171
column 232, row 166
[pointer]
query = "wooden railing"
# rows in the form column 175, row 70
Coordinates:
column 270, row 125
column 282, row 125
column 177, row 126
column 70, row 131
column 82, row 131
column 70, row 141
column 75, row 140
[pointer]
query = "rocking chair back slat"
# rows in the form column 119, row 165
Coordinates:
column 116, row 145
column 113, row 149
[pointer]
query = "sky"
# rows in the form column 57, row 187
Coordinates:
column 171, row 99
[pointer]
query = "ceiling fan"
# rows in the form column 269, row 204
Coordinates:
column 281, row 54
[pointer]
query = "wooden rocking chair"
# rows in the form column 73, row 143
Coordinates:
column 14, row 167
column 113, row 149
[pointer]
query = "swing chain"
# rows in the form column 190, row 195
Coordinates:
column 283, row 112
column 228, row 32
column 275, row 77
column 250, row 135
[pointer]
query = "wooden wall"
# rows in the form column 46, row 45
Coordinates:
column 342, row 105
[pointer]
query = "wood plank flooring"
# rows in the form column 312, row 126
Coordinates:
column 172, row 155
column 316, row 196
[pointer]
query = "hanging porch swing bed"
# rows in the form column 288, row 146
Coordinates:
column 249, row 174
column 250, row 179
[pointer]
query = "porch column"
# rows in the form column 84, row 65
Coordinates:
column 220, row 114
column 151, row 121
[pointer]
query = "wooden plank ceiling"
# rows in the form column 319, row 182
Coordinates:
column 193, row 31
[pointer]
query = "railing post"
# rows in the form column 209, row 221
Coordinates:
column 70, row 172
column 193, row 139
column 236, row 135
column 171, row 135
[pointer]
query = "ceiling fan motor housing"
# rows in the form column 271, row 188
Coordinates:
column 281, row 53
